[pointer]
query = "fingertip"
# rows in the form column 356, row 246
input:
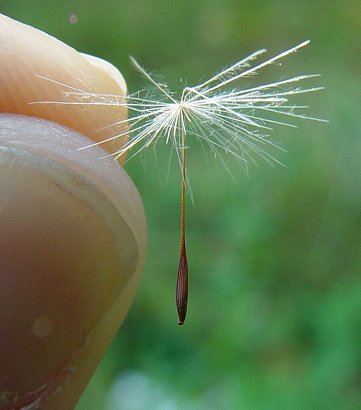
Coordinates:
column 28, row 56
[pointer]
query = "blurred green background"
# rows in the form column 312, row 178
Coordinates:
column 275, row 258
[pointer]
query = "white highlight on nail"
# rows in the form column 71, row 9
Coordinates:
column 42, row 327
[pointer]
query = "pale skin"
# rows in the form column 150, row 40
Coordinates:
column 24, row 54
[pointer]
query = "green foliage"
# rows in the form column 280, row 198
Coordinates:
column 275, row 299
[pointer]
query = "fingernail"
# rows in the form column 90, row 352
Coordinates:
column 109, row 69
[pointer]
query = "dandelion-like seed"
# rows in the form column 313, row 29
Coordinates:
column 230, row 120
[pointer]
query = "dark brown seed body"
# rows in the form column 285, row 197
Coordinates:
column 182, row 286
